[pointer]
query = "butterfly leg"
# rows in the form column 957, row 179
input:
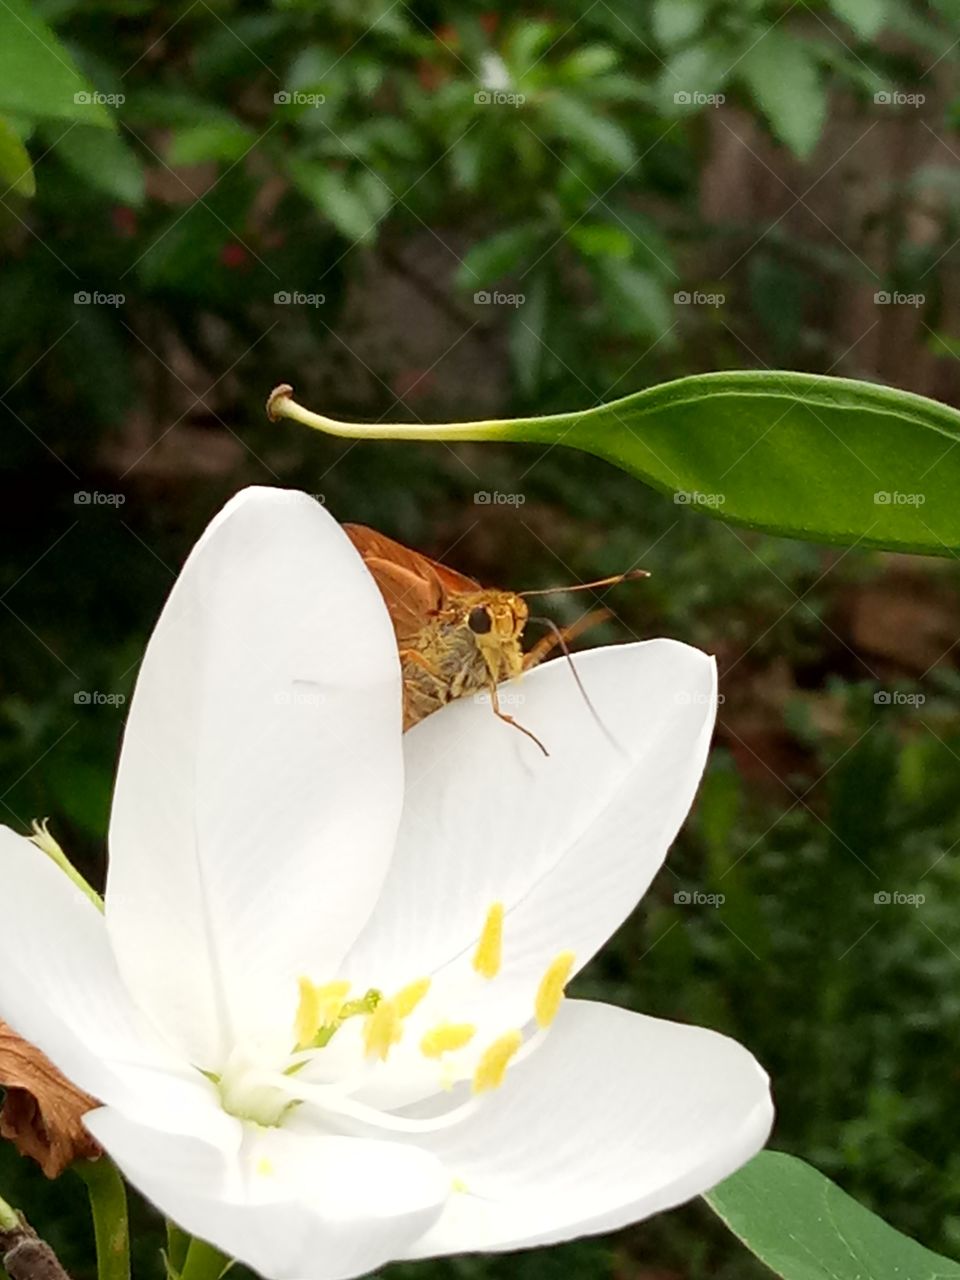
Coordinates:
column 503, row 715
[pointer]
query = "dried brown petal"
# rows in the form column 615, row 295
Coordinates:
column 42, row 1111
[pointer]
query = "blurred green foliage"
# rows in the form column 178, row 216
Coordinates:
column 200, row 176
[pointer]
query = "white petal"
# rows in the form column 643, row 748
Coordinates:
column 260, row 778
column 292, row 1207
column 616, row 1117
column 568, row 843
column 60, row 989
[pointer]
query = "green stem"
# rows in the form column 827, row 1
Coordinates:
column 49, row 845
column 204, row 1262
column 9, row 1221
column 280, row 405
column 108, row 1203
column 178, row 1242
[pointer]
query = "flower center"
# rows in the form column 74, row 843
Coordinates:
column 246, row 1091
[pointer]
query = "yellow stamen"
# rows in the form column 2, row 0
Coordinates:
column 488, row 955
column 410, row 996
column 445, row 1037
column 307, row 1022
column 458, row 1184
column 331, row 997
column 550, row 991
column 265, row 1167
column 494, row 1061
column 382, row 1030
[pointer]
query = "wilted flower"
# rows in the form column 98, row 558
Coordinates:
column 324, row 1009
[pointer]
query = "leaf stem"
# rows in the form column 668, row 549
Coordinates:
column 108, row 1203
column 9, row 1219
column 282, row 405
column 204, row 1262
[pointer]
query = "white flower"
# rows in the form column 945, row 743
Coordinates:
column 323, row 1009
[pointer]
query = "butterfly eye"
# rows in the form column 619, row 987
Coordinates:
column 479, row 620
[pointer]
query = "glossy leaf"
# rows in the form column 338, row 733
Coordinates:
column 38, row 78
column 805, row 1228
column 814, row 457
column 16, row 170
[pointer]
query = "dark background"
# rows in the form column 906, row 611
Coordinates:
column 819, row 182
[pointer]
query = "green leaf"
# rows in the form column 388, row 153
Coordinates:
column 785, row 82
column 16, row 170
column 488, row 261
column 224, row 141
column 583, row 128
column 675, row 21
column 103, row 159
column 865, row 17
column 805, row 1228
column 38, row 77
column 354, row 203
column 814, row 457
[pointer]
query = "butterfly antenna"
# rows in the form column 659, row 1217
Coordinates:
column 561, row 641
column 632, row 575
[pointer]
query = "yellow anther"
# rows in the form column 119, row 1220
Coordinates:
column 265, row 1167
column 552, row 984
column 307, row 1022
column 319, row 1007
column 487, row 957
column 410, row 996
column 494, row 1061
column 445, row 1037
column 458, row 1184
column 382, row 1030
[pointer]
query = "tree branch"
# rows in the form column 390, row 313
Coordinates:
column 24, row 1256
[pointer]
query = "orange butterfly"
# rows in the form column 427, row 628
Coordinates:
column 455, row 637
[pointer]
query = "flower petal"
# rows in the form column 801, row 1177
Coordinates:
column 60, row 990
column 616, row 1117
column 567, row 843
column 260, row 779
column 292, row 1206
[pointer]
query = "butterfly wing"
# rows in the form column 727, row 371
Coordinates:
column 413, row 586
